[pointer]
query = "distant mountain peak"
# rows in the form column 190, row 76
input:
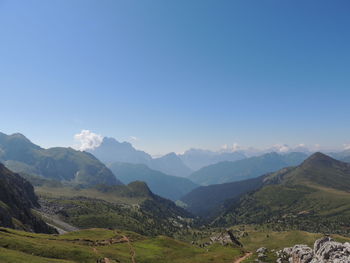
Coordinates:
column 171, row 155
column 140, row 187
column 320, row 160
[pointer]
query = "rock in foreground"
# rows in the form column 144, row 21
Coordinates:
column 325, row 250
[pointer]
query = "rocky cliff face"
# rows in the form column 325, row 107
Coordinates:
column 17, row 198
column 325, row 250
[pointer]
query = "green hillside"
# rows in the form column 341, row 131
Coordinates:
column 313, row 197
column 131, row 207
column 63, row 164
column 101, row 245
column 207, row 201
column 171, row 187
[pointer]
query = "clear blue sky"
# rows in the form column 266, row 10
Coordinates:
column 177, row 74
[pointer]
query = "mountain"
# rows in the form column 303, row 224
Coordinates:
column 314, row 196
column 207, row 201
column 130, row 207
column 17, row 198
column 111, row 151
column 341, row 156
column 64, row 164
column 171, row 187
column 170, row 164
column 225, row 172
column 197, row 158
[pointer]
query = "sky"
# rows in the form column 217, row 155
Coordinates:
column 172, row 75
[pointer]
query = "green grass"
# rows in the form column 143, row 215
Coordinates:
column 19, row 246
column 69, row 192
column 262, row 236
column 308, row 207
column 11, row 256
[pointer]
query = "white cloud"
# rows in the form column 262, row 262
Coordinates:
column 88, row 140
column 224, row 147
column 347, row 146
column 236, row 147
column 133, row 138
column 281, row 148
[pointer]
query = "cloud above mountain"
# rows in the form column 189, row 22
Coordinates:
column 87, row 140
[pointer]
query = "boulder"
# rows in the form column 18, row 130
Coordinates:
column 325, row 250
column 262, row 250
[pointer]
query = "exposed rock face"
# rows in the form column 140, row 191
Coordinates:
column 17, row 197
column 325, row 250
column 226, row 238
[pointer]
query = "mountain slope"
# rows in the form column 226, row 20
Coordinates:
column 167, row 186
column 170, row 164
column 63, row 164
column 131, row 207
column 197, row 158
column 17, row 198
column 225, row 172
column 206, row 201
column 313, row 196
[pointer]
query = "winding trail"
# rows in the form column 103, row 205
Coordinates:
column 132, row 250
column 247, row 255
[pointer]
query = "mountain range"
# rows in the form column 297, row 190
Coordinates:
column 63, row 164
column 313, row 196
column 224, row 172
column 207, row 201
column 198, row 158
column 341, row 156
column 111, row 151
column 171, row 187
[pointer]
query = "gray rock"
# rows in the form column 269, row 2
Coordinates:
column 225, row 238
column 325, row 250
column 301, row 254
column 261, row 250
column 261, row 256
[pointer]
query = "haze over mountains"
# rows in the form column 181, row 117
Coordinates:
column 111, row 151
column 171, row 187
column 74, row 189
column 224, row 172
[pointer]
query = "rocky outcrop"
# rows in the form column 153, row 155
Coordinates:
column 17, row 198
column 325, row 250
column 225, row 238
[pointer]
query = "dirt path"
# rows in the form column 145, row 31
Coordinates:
column 247, row 255
column 132, row 250
column 106, row 260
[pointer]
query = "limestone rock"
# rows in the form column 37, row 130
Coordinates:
column 325, row 250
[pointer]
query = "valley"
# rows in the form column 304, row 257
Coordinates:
column 95, row 221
